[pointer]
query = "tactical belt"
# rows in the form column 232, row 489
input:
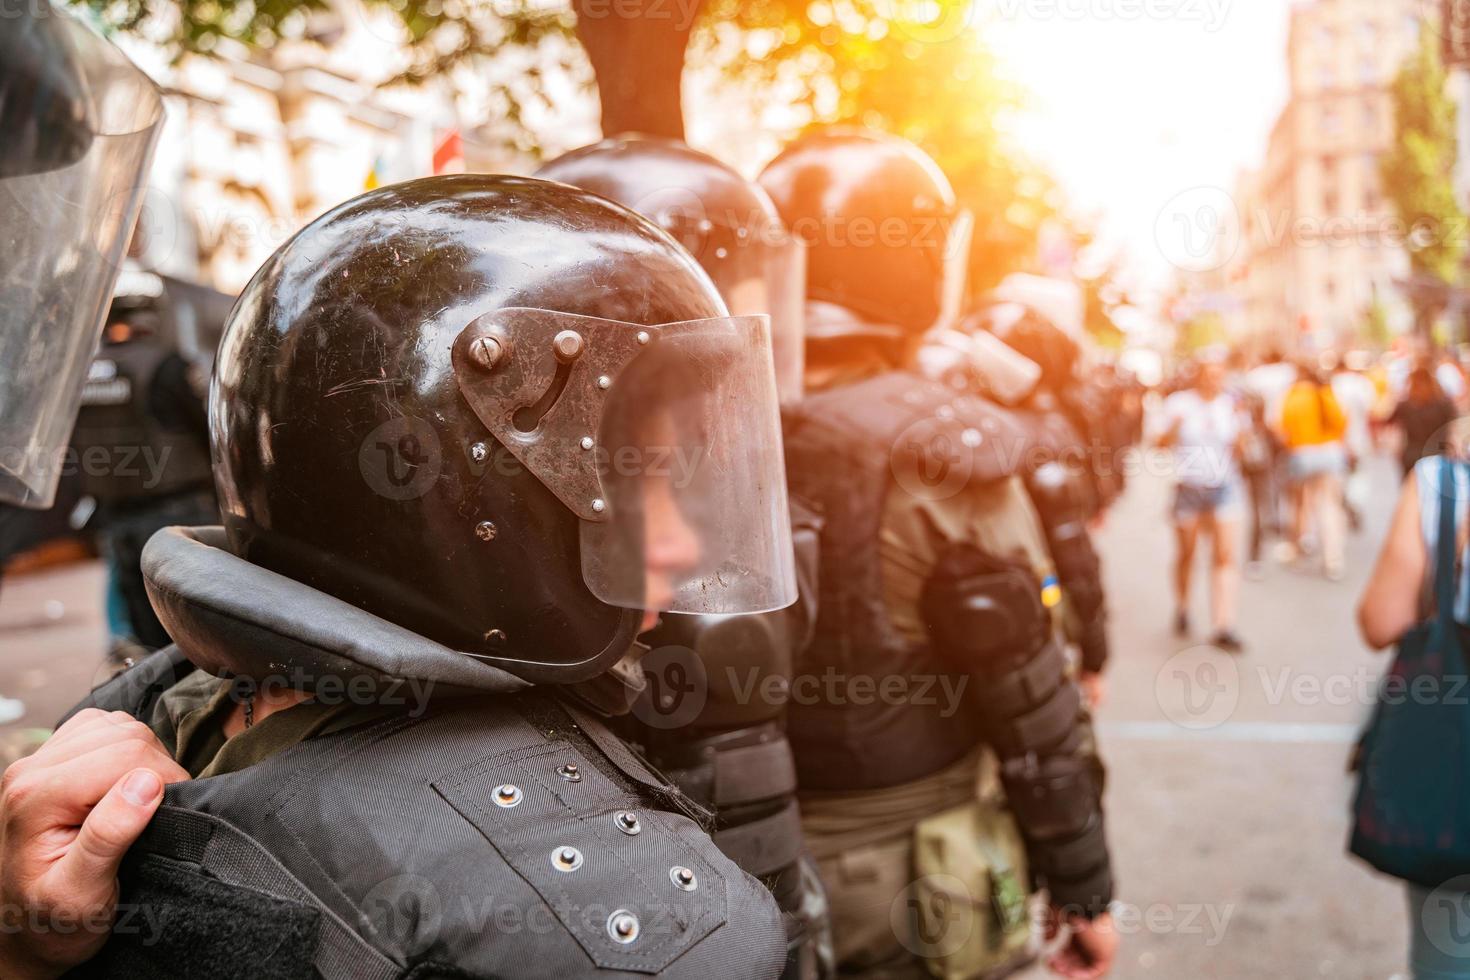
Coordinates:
column 764, row 846
column 231, row 856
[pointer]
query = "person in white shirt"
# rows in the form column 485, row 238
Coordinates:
column 1203, row 426
column 1357, row 396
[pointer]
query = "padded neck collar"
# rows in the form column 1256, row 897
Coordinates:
column 233, row 618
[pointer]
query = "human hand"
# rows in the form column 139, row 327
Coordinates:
column 68, row 814
column 1089, row 949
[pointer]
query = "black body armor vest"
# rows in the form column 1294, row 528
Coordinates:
column 846, row 449
column 486, row 828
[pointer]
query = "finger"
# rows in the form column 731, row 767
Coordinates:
column 83, row 725
column 102, row 733
column 89, row 866
column 73, row 787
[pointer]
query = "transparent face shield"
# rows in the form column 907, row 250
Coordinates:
column 81, row 122
column 768, row 278
column 664, row 440
column 956, row 270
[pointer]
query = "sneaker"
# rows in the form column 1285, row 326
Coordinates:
column 1181, row 624
column 11, row 710
column 1227, row 641
column 1333, row 571
column 1286, row 553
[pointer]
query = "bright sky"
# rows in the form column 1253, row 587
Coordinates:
column 1138, row 101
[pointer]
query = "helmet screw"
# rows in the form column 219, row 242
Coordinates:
column 599, row 505
column 627, row 822
column 587, row 442
column 643, row 337
column 479, row 452
column 485, row 530
column 604, row 382
column 486, row 352
column 568, row 346
column 507, row 795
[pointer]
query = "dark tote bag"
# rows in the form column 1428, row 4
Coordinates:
column 1411, row 816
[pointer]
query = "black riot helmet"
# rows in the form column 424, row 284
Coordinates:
column 78, row 123
column 725, row 221
column 503, row 413
column 884, row 236
column 1032, row 334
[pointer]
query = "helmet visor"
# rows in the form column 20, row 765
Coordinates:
column 665, row 440
column 71, row 183
column 770, row 279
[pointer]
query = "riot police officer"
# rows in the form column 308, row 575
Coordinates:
column 141, row 447
column 1073, row 476
column 934, row 633
column 713, row 715
column 438, row 416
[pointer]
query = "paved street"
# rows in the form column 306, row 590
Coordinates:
column 1227, row 797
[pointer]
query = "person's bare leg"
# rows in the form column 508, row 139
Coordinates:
column 1331, row 518
column 1187, row 531
column 1224, row 572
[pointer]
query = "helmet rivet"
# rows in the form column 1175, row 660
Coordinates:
column 486, row 352
column 485, row 530
column 643, row 337
column 627, row 822
column 604, row 382
column 495, row 637
column 568, row 346
column 507, row 795
column 587, row 442
column 479, row 452
column 599, row 505
column 622, row 926
column 566, row 859
column 683, row 878
column 570, row 773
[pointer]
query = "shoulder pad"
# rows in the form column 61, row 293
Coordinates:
column 937, row 441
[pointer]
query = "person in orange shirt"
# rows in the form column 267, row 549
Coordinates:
column 1313, row 426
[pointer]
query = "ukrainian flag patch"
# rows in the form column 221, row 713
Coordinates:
column 1051, row 592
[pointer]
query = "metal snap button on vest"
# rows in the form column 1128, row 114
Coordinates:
column 627, row 822
column 622, row 926
column 570, row 773
column 507, row 795
column 566, row 859
column 683, row 878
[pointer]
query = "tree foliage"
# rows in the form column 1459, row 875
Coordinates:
column 917, row 68
column 1418, row 172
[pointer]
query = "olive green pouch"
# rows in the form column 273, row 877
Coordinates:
column 971, row 894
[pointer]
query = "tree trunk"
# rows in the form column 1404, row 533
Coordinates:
column 637, row 52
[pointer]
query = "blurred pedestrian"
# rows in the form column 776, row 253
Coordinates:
column 1313, row 427
column 1423, row 415
column 1259, row 452
column 1204, row 428
column 1394, row 603
column 1356, row 396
